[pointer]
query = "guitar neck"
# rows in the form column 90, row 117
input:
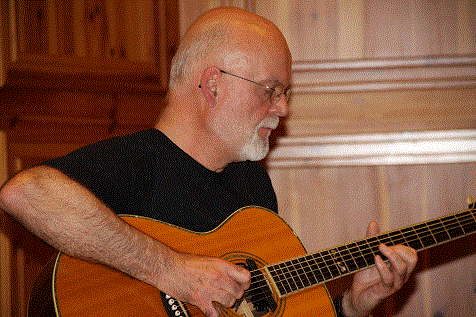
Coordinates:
column 294, row 275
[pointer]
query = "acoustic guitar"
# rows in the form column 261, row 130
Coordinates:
column 286, row 281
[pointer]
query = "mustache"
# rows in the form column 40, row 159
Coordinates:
column 269, row 122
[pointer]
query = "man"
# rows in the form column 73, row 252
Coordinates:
column 229, row 86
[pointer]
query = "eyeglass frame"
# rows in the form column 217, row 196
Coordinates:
column 274, row 100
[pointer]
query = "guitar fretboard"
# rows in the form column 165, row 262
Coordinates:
column 296, row 274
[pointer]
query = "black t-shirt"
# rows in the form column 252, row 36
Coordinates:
column 146, row 174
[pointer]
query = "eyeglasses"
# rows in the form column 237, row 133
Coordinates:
column 277, row 92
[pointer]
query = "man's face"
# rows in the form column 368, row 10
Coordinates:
column 247, row 114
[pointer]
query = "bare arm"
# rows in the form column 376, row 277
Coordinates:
column 70, row 218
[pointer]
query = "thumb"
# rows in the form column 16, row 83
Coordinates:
column 240, row 274
column 373, row 229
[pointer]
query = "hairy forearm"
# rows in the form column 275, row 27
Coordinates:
column 70, row 218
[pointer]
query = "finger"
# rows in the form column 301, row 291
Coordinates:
column 398, row 267
column 373, row 229
column 209, row 310
column 241, row 276
column 409, row 256
column 385, row 275
column 227, row 299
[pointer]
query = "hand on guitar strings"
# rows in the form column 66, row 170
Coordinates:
column 372, row 285
column 203, row 281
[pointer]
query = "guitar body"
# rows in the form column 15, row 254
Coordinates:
column 81, row 288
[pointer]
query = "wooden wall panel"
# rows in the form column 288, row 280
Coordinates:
column 384, row 65
column 336, row 29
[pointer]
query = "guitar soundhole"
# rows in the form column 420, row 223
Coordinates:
column 260, row 299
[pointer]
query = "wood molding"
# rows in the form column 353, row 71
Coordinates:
column 429, row 72
column 84, row 74
column 455, row 146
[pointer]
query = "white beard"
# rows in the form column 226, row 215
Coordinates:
column 257, row 148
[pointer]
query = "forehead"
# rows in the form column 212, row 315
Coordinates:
column 266, row 64
column 260, row 52
column 273, row 68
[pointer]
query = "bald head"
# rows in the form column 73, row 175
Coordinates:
column 222, row 36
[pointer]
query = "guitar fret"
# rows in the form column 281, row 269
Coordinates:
column 310, row 274
column 296, row 277
column 359, row 260
column 464, row 224
column 328, row 259
column 303, row 270
column 454, row 228
column 414, row 240
column 324, row 268
column 366, row 251
column 374, row 243
column 316, row 269
column 283, row 281
column 425, row 235
column 469, row 225
column 397, row 237
column 348, row 263
column 351, row 263
column 441, row 235
column 339, row 261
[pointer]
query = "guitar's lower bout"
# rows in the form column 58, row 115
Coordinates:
column 85, row 289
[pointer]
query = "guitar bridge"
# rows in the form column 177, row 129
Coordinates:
column 173, row 307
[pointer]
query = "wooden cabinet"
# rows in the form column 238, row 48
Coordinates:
column 98, row 66
column 72, row 73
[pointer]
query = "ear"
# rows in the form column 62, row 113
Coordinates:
column 209, row 84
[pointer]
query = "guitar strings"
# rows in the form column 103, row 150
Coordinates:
column 365, row 252
column 447, row 224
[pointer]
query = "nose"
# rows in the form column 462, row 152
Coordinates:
column 280, row 108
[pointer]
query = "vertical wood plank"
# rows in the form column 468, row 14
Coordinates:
column 138, row 22
column 79, row 28
column 161, row 44
column 466, row 26
column 351, row 29
column 33, row 26
column 5, row 241
column 96, row 27
column 112, row 42
column 447, row 24
column 381, row 39
column 4, row 40
column 52, row 26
